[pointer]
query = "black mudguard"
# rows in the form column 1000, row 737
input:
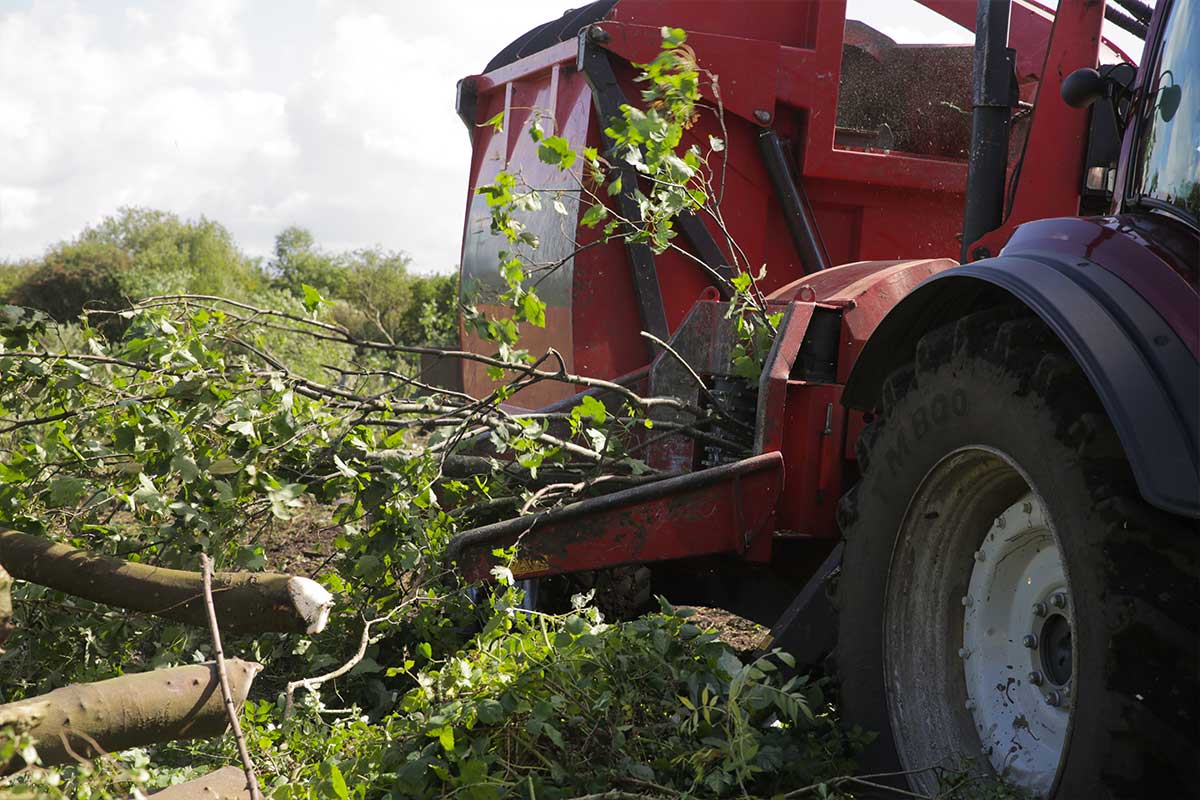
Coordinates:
column 1145, row 375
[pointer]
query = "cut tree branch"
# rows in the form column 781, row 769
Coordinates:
column 248, row 602
column 226, row 783
column 130, row 711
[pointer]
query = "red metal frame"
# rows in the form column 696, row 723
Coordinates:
column 782, row 58
column 726, row 510
column 780, row 65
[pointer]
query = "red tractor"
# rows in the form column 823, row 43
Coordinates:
column 971, row 490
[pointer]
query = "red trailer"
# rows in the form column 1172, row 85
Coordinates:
column 974, row 485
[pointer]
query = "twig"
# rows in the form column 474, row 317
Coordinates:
column 363, row 643
column 226, row 694
column 716, row 405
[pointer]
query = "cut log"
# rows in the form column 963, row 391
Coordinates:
column 6, row 623
column 164, row 705
column 246, row 602
column 227, row 783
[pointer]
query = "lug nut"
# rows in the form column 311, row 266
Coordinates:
column 1059, row 599
column 1039, row 609
column 979, row 555
column 1029, row 641
column 1027, row 508
column 964, row 652
column 1054, row 699
column 966, row 600
column 1000, row 522
column 970, row 704
column 1035, row 678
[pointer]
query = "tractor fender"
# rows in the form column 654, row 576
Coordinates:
column 1145, row 374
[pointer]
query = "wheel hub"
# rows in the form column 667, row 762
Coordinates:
column 978, row 643
column 1017, row 647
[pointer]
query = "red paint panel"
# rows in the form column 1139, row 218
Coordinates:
column 812, row 450
column 773, row 386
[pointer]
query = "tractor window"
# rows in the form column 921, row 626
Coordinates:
column 1169, row 163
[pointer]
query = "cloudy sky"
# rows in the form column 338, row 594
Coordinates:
column 337, row 115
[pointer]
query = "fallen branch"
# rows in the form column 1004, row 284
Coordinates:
column 6, row 623
column 363, row 643
column 310, row 683
column 130, row 711
column 231, row 708
column 226, row 783
column 248, row 602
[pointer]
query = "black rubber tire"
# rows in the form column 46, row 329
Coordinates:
column 1001, row 379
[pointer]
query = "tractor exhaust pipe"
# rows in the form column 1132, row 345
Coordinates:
column 994, row 90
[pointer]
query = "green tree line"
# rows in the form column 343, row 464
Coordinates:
column 138, row 253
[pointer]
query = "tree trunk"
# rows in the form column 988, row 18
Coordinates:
column 246, row 602
column 131, row 711
column 6, row 623
column 227, row 783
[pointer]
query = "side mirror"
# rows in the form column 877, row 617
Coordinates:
column 1083, row 87
column 1169, row 98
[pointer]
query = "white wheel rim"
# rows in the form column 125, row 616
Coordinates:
column 1017, row 652
column 977, row 548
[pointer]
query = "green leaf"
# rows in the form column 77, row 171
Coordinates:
column 185, row 465
column 245, row 427
column 489, row 712
column 556, row 151
column 496, row 123
column 312, row 298
column 338, row 783
column 591, row 408
column 224, row 466
column 534, row 310
column 594, row 215
column 65, row 491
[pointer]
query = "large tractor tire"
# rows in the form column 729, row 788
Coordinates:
column 1007, row 603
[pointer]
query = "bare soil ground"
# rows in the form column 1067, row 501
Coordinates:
column 739, row 633
column 304, row 544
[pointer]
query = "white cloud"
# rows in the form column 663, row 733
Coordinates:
column 18, row 205
column 334, row 115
